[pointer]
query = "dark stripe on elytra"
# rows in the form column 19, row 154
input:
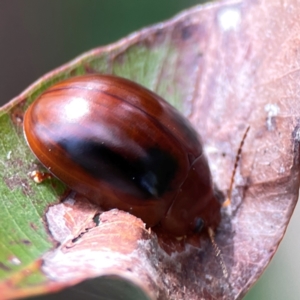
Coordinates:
column 146, row 177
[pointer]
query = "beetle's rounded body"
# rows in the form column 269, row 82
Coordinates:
column 124, row 147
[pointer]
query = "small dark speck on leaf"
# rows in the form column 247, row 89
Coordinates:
column 78, row 237
column 187, row 32
column 4, row 267
column 26, row 242
column 96, row 219
column 33, row 226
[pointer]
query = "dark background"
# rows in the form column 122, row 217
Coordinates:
column 36, row 36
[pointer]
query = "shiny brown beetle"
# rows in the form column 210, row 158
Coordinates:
column 124, row 147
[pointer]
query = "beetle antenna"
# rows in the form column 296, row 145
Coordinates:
column 218, row 252
column 237, row 159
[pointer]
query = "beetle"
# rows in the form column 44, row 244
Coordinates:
column 123, row 146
